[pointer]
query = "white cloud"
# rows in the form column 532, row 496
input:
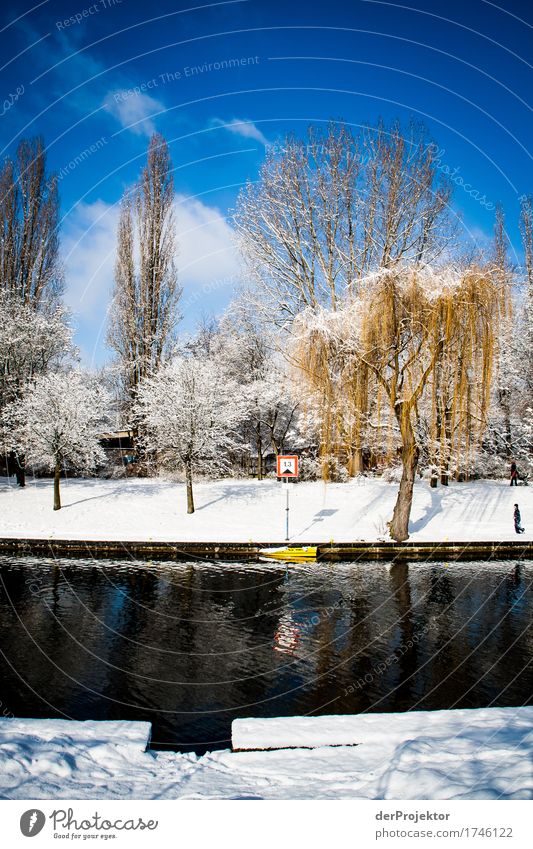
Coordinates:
column 133, row 110
column 241, row 127
column 206, row 244
column 88, row 249
column 207, row 262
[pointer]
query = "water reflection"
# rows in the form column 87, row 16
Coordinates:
column 189, row 647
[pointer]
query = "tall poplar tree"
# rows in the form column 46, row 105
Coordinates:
column 34, row 331
column 30, row 266
column 144, row 310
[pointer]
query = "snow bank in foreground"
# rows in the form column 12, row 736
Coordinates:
column 456, row 754
column 236, row 510
column 369, row 728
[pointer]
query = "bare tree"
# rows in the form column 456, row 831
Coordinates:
column 326, row 212
column 29, row 217
column 503, row 274
column 526, row 229
column 146, row 295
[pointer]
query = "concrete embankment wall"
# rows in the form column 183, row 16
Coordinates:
column 249, row 551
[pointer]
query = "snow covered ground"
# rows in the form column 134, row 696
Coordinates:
column 457, row 754
column 242, row 510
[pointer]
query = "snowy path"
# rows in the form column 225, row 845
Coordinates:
column 237, row 510
column 461, row 754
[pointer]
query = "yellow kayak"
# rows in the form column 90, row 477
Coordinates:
column 290, row 552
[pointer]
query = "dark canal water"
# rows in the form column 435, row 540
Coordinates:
column 190, row 647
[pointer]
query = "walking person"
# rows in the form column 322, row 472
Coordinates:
column 514, row 475
column 518, row 521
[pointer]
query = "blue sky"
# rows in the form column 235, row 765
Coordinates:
column 221, row 81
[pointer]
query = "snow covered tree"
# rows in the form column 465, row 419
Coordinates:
column 245, row 351
column 29, row 218
column 505, row 361
column 506, row 437
column 144, row 311
column 191, row 410
column 526, row 229
column 32, row 341
column 326, row 211
column 272, row 414
column 57, row 422
column 33, row 332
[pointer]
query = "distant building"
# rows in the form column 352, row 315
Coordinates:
column 119, row 446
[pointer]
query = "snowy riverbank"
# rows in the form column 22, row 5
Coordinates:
column 457, row 754
column 250, row 510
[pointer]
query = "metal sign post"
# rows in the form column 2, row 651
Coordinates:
column 287, row 512
column 287, row 467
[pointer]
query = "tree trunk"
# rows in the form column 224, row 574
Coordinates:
column 139, row 447
column 57, row 496
column 188, row 478
column 399, row 526
column 259, row 446
column 445, row 459
column 20, row 470
column 505, row 405
column 355, row 462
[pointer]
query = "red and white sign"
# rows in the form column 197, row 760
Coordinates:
column 287, row 466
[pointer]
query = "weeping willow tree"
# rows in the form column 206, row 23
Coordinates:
column 409, row 335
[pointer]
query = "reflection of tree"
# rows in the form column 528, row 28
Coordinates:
column 440, row 649
column 513, row 584
column 358, row 650
column 408, row 649
column 326, row 651
column 441, row 591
